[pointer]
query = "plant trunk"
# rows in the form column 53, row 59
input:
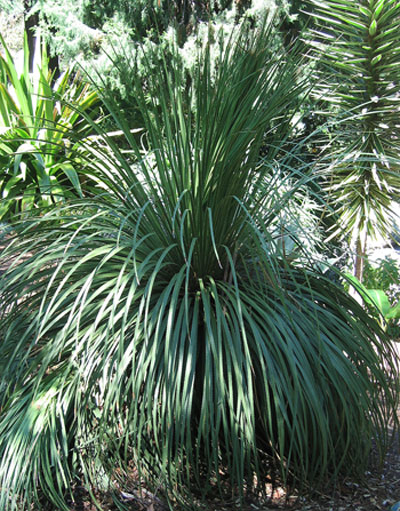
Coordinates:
column 54, row 65
column 361, row 251
column 31, row 22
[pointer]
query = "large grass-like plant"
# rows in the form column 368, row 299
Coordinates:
column 158, row 333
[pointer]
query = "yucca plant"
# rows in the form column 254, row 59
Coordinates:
column 359, row 63
column 158, row 335
column 38, row 155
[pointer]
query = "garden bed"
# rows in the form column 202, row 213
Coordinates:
column 379, row 491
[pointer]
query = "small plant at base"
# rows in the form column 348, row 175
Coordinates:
column 381, row 291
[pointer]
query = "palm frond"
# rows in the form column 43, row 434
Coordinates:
column 359, row 74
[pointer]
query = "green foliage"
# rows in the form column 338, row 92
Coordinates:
column 11, row 6
column 144, row 17
column 89, row 31
column 161, row 326
column 37, row 148
column 385, row 313
column 385, row 275
column 360, row 78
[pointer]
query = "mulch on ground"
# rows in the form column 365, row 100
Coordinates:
column 379, row 490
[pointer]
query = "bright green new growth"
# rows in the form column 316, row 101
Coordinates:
column 38, row 151
column 159, row 327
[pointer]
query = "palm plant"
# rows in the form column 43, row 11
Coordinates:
column 157, row 334
column 359, row 62
column 37, row 148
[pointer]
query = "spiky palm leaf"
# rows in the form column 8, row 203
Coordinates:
column 159, row 327
column 357, row 44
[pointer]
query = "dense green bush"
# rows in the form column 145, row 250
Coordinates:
column 39, row 154
column 162, row 326
column 89, row 31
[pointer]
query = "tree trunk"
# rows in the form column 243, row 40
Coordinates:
column 54, row 65
column 361, row 251
column 31, row 22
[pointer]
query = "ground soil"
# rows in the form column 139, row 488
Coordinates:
column 379, row 490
